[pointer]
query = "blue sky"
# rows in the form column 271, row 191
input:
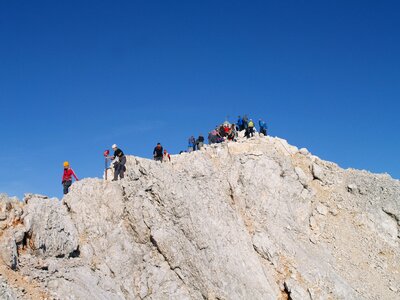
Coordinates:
column 78, row 76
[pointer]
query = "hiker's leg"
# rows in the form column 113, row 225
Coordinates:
column 116, row 171
column 67, row 184
column 65, row 188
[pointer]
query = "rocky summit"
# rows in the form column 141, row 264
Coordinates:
column 253, row 219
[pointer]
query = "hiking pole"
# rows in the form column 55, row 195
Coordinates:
column 106, row 153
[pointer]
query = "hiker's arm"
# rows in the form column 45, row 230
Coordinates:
column 73, row 174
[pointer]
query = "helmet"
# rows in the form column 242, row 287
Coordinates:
column 66, row 164
column 114, row 146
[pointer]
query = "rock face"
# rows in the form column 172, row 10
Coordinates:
column 255, row 219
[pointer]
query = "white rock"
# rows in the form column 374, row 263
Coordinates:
column 304, row 151
column 233, row 221
column 322, row 209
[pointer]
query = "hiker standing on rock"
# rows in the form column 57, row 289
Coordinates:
column 263, row 127
column 191, row 144
column 67, row 177
column 250, row 129
column 158, row 153
column 239, row 123
column 200, row 142
column 245, row 122
column 119, row 163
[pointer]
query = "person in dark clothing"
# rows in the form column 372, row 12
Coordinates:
column 239, row 124
column 119, row 164
column 232, row 133
column 250, row 129
column 221, row 131
column 191, row 144
column 158, row 153
column 245, row 122
column 200, row 142
column 263, row 127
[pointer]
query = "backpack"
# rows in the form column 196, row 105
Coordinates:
column 251, row 124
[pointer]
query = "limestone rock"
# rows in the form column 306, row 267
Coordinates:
column 254, row 219
column 8, row 250
column 49, row 227
column 352, row 188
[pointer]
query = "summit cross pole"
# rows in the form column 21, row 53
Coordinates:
column 106, row 153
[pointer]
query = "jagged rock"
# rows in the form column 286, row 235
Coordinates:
column 50, row 228
column 240, row 220
column 8, row 250
column 318, row 172
column 352, row 188
column 303, row 178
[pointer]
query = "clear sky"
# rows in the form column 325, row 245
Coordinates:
column 78, row 76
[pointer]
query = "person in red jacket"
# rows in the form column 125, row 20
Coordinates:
column 67, row 177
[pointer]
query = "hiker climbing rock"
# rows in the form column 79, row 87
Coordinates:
column 166, row 156
column 158, row 153
column 67, row 177
column 119, row 163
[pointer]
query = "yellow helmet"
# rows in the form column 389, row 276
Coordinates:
column 66, row 164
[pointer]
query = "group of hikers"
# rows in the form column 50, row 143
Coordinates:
column 195, row 144
column 224, row 132
column 228, row 131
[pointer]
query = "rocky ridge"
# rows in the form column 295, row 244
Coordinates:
column 255, row 219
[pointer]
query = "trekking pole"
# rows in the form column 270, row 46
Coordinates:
column 106, row 153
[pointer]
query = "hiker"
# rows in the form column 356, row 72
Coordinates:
column 226, row 129
column 166, row 156
column 210, row 138
column 67, row 177
column 240, row 124
column 250, row 129
column 158, row 153
column 263, row 127
column 232, row 133
column 200, row 142
column 191, row 144
column 119, row 163
column 214, row 137
column 245, row 122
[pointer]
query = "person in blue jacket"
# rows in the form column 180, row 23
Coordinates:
column 263, row 127
column 239, row 124
column 158, row 153
column 191, row 144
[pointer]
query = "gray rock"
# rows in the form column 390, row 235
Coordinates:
column 352, row 188
column 8, row 250
column 239, row 220
column 3, row 216
column 50, row 228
